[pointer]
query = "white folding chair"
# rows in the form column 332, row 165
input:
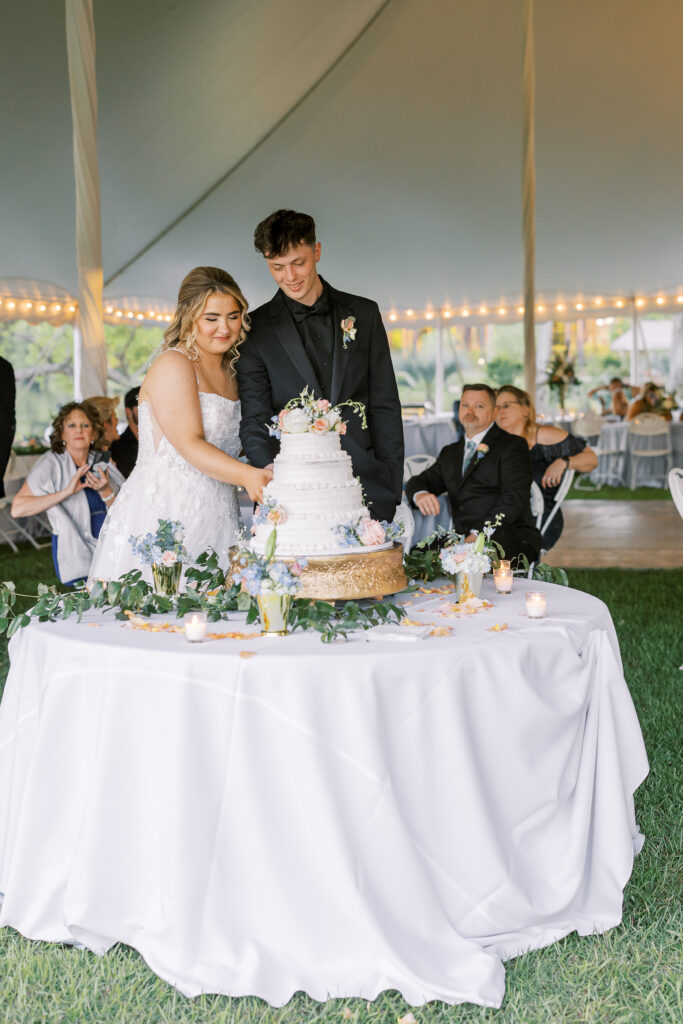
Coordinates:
column 414, row 464
column 405, row 516
column 649, row 437
column 676, row 488
column 15, row 526
column 538, row 507
column 588, row 425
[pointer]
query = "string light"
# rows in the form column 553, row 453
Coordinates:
column 619, row 303
column 119, row 312
column 598, row 301
column 28, row 305
column 483, row 310
column 392, row 317
column 579, row 305
column 465, row 312
column 72, row 309
column 540, row 309
column 660, row 300
column 501, row 311
column 42, row 307
column 429, row 315
column 410, row 312
column 679, row 298
column 559, row 307
column 58, row 308
column 140, row 316
column 447, row 314
column 11, row 305
column 640, row 303
column 520, row 310
column 129, row 315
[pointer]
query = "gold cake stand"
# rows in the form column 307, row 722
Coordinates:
column 350, row 577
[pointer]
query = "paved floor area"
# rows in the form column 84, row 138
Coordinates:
column 627, row 534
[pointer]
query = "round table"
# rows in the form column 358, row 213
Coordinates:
column 400, row 814
column 427, row 435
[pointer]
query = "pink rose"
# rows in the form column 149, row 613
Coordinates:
column 371, row 532
column 321, row 426
column 322, row 404
column 281, row 419
column 341, row 428
column 169, row 558
column 295, row 569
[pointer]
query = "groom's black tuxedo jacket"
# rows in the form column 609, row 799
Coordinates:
column 273, row 368
column 499, row 481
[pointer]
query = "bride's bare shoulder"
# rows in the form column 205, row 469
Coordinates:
column 171, row 369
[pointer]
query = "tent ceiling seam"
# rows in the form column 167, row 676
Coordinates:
column 257, row 145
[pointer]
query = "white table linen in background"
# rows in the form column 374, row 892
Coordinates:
column 341, row 820
column 427, row 435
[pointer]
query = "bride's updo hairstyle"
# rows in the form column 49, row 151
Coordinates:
column 196, row 288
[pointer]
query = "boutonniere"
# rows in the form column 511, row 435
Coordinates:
column 348, row 327
column 482, row 450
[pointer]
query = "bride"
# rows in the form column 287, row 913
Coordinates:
column 189, row 416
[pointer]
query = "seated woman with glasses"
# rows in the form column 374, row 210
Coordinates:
column 75, row 486
column 553, row 450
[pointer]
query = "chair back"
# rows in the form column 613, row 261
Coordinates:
column 537, row 505
column 676, row 488
column 588, row 424
column 414, row 464
column 405, row 516
column 648, row 424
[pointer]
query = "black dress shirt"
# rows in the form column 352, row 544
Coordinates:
column 315, row 327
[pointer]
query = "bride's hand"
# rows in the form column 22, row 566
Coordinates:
column 255, row 481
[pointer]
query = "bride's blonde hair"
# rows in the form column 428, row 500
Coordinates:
column 194, row 292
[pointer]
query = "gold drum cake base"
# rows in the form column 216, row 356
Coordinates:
column 349, row 577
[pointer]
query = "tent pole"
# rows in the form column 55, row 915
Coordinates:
column 633, row 376
column 438, row 374
column 529, row 197
column 80, row 40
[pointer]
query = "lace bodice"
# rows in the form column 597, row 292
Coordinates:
column 221, row 420
column 164, row 485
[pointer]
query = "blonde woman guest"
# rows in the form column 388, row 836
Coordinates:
column 74, row 488
column 649, row 400
column 553, row 450
column 105, row 409
column 188, row 431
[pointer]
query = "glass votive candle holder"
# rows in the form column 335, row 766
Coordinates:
column 504, row 563
column 502, row 579
column 195, row 627
column 535, row 604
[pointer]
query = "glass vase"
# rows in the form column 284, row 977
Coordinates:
column 274, row 612
column 166, row 578
column 467, row 585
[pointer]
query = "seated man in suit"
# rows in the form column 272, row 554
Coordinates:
column 486, row 472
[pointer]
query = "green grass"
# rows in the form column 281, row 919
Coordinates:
column 621, row 493
column 631, row 974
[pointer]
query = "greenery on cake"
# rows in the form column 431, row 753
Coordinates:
column 307, row 414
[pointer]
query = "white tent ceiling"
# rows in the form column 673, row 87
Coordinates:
column 407, row 152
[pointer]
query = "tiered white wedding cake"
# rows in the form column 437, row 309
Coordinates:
column 314, row 499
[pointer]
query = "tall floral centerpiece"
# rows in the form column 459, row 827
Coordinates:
column 271, row 582
column 467, row 564
column 165, row 553
column 560, row 375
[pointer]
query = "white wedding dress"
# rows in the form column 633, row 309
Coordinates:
column 163, row 485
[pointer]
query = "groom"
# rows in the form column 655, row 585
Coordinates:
column 311, row 335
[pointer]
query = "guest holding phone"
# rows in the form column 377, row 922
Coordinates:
column 75, row 484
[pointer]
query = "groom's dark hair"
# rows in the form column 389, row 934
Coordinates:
column 276, row 235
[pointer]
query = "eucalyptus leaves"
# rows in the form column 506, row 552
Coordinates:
column 206, row 591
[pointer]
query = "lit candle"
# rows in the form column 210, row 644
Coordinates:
column 503, row 580
column 535, row 604
column 504, row 563
column 195, row 627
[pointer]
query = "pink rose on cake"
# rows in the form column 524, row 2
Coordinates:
column 321, row 426
column 277, row 515
column 340, row 427
column 371, row 532
column 322, row 405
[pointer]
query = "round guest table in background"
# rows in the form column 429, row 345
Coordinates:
column 427, row 435
column 336, row 819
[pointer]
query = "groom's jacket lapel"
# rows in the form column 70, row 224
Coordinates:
column 287, row 335
column 340, row 311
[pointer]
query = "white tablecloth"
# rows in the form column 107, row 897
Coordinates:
column 341, row 820
column 427, row 435
column 615, row 468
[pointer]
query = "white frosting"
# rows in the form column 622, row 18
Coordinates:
column 313, row 481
